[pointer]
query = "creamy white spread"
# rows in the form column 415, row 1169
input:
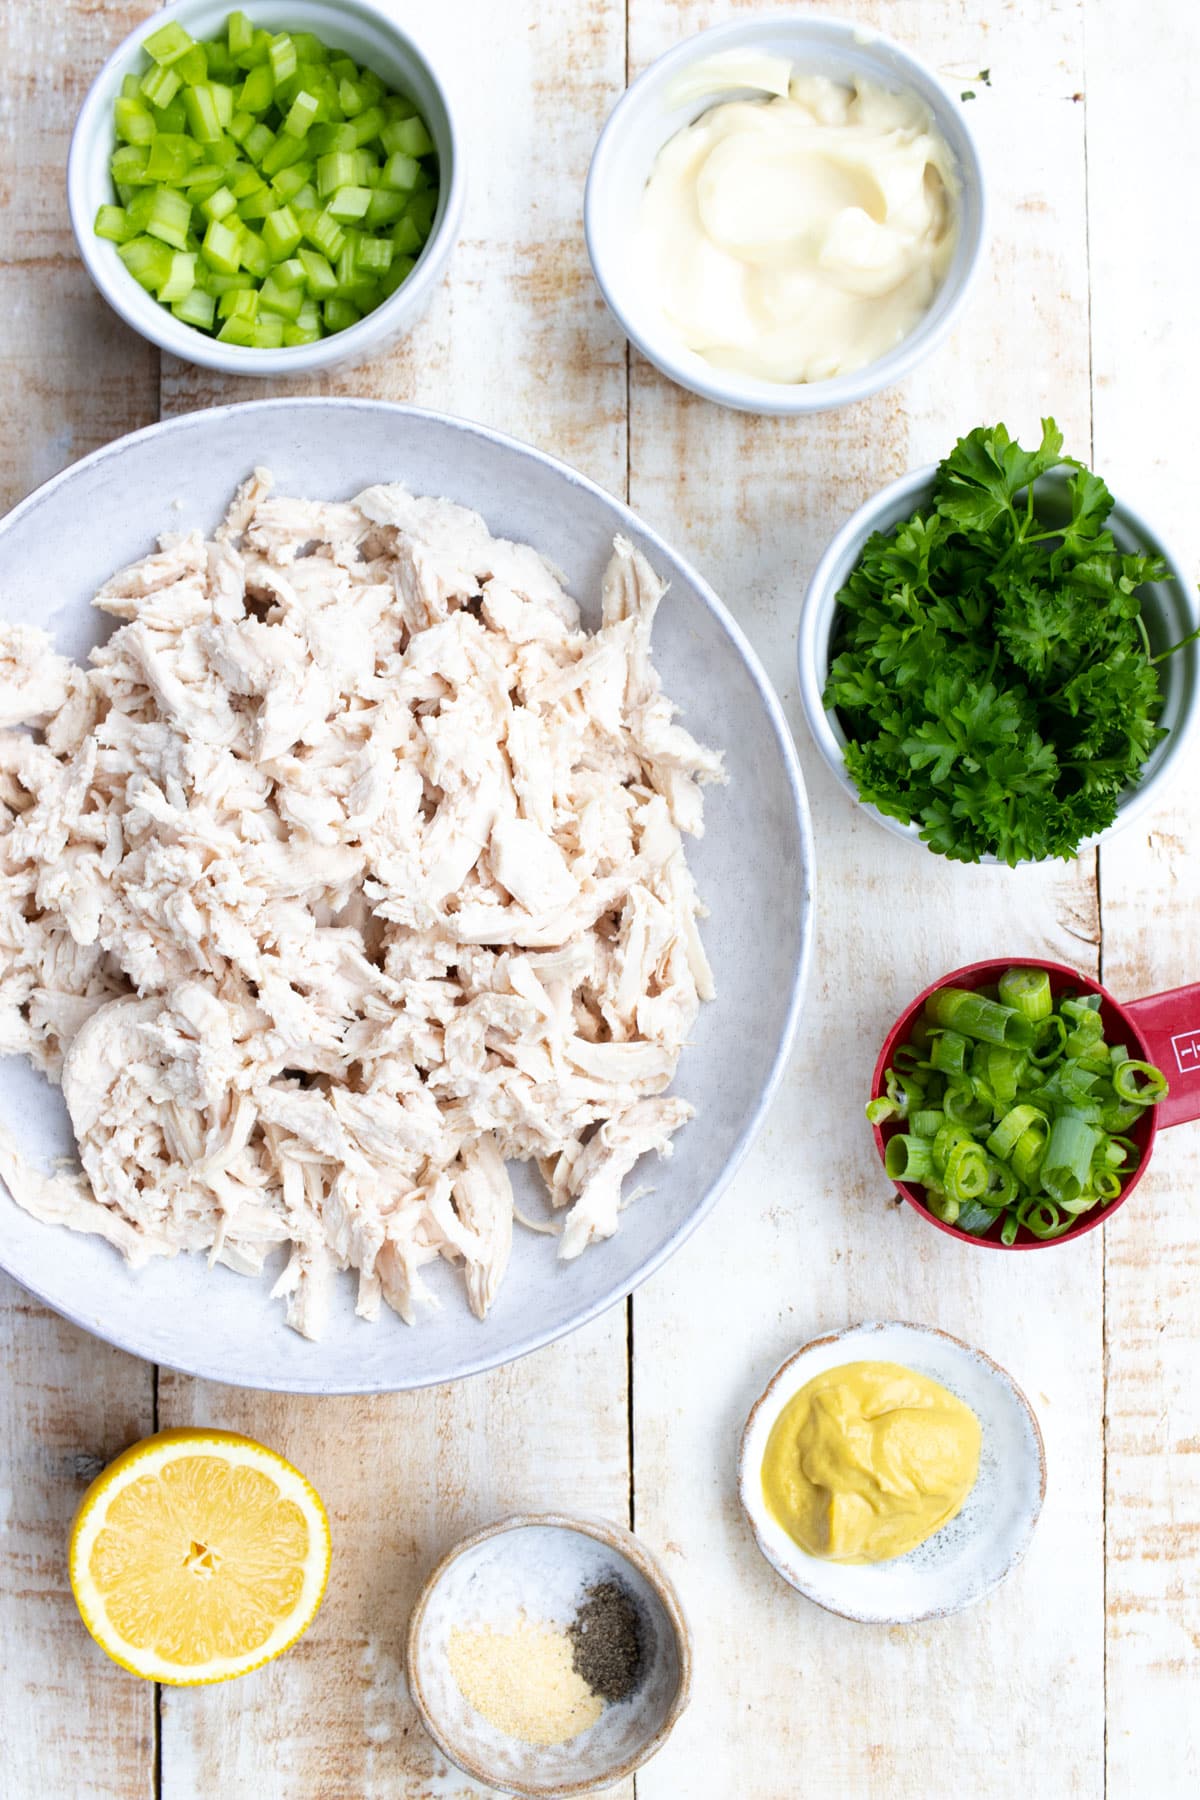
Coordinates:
column 798, row 237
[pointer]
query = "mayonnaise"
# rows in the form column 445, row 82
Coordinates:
column 799, row 237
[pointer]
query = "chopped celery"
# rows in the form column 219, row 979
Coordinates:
column 131, row 87
column 171, row 156
column 343, row 68
column 283, row 152
column 258, row 142
column 245, row 183
column 406, row 237
column 385, row 207
column 368, row 125
column 305, row 199
column 349, row 203
column 408, row 135
column 257, row 91
column 192, row 66
column 301, row 114
column 289, row 181
column 221, row 247
column 148, row 261
column 169, row 217
column 171, row 117
column 219, row 204
column 373, row 256
column 239, row 33
column 421, row 209
column 254, row 255
column 238, row 303
column 240, row 126
column 128, row 164
column 168, row 44
column 255, row 207
column 294, row 335
column 352, row 97
column 318, row 272
column 282, row 233
column 134, row 121
column 334, row 171
column 279, row 299
column 267, row 333
column 339, row 315
column 282, row 58
column 201, row 107
column 196, row 308
column 400, row 171
column 160, row 85
column 181, row 277
column 221, row 66
column 310, row 49
column 237, row 331
column 289, row 273
column 323, row 232
column 112, row 222
column 402, row 267
column 223, row 284
column 324, row 138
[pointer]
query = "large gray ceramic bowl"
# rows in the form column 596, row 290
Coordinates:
column 754, row 868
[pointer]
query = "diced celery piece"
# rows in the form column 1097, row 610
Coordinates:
column 318, row 273
column 400, row 171
column 309, row 48
column 297, row 334
column 256, row 206
column 172, row 155
column 219, row 204
column 406, row 237
column 343, row 68
column 334, row 171
column 282, row 233
column 365, row 166
column 223, row 284
column 169, row 217
column 305, row 199
column 237, row 331
column 168, row 43
column 274, row 297
column 310, row 313
column 283, row 152
column 222, row 95
column 402, row 267
column 125, row 193
column 290, row 181
column 134, row 121
column 421, row 209
column 112, row 222
column 160, row 85
column 221, row 66
column 201, row 109
column 245, row 183
column 128, row 164
column 301, row 114
column 258, row 51
column 266, row 333
column 171, row 117
column 408, row 135
column 282, row 57
column 290, row 272
column 148, row 261
column 196, row 308
column 366, row 295
column 385, row 208
column 221, row 247
column 255, row 257
column 224, row 152
column 181, row 277
column 339, row 315
column 373, row 256
column 240, row 126
column 349, row 203
column 239, row 303
column 324, row 138
column 257, row 91
column 131, row 87
column 398, row 106
column 323, row 232
column 352, row 98
column 258, row 142
column 239, row 33
column 368, row 125
column 192, row 66
column 347, row 264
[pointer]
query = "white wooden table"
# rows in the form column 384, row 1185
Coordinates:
column 1080, row 1676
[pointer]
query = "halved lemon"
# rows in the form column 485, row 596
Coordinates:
column 197, row 1556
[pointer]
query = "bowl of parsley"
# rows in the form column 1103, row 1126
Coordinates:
column 998, row 658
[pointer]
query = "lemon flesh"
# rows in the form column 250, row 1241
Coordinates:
column 197, row 1556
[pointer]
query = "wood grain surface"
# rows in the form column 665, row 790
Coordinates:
column 1079, row 1676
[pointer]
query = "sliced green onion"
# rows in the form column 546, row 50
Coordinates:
column 959, row 1009
column 1067, row 1162
column 908, row 1158
column 1139, row 1083
column 948, row 1052
column 1027, row 991
column 926, row 1122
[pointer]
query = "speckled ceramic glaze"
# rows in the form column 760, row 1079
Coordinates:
column 753, row 867
column 969, row 1556
column 541, row 1565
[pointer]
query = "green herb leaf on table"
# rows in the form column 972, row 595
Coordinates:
column 992, row 670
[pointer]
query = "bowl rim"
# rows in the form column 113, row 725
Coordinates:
column 812, row 646
column 617, row 1538
column 751, row 394
column 766, row 1397
column 1089, row 1221
column 196, row 347
column 80, row 1313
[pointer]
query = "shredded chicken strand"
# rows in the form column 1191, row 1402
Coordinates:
column 349, row 870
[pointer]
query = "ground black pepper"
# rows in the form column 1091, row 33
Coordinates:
column 607, row 1641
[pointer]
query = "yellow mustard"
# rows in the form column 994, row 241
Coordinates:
column 868, row 1460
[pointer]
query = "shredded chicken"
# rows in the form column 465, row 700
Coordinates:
column 349, row 870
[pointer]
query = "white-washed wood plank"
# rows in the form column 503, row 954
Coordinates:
column 517, row 338
column 787, row 1696
column 71, row 377
column 1141, row 160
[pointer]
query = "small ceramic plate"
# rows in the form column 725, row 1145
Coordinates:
column 542, row 1566
column 968, row 1557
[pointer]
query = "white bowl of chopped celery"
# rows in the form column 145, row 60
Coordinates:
column 237, row 229
column 958, row 825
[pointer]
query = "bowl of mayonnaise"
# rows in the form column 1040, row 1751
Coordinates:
column 785, row 214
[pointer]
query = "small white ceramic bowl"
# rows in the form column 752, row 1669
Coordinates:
column 365, row 32
column 1169, row 609
column 968, row 1557
column 647, row 115
column 541, row 1565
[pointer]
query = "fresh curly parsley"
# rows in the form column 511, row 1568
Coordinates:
column 993, row 673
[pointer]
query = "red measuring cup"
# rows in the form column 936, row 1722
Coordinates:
column 1162, row 1028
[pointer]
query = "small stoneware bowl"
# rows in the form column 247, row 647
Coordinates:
column 668, row 96
column 969, row 1556
column 365, row 32
column 541, row 1565
column 1169, row 609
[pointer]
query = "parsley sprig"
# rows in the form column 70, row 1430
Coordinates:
column 993, row 673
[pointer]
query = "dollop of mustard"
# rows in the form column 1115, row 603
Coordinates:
column 868, row 1460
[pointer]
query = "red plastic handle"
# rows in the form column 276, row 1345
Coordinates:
column 1170, row 1024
